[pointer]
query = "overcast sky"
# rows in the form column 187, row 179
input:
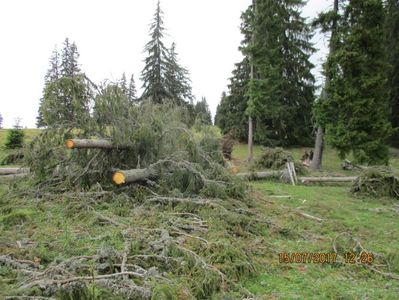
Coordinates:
column 110, row 36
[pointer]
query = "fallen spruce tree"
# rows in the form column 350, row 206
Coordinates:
column 179, row 226
column 377, row 182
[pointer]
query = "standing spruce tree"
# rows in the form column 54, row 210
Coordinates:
column 230, row 113
column 327, row 22
column 392, row 47
column 1, row 121
column 163, row 78
column 202, row 112
column 355, row 113
column 132, row 92
column 52, row 76
column 66, row 98
column 281, row 92
column 156, row 63
column 177, row 78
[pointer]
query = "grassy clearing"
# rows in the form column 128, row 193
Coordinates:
column 371, row 221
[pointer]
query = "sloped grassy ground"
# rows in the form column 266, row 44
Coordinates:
column 242, row 242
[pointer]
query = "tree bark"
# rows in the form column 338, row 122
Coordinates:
column 327, row 179
column 13, row 176
column 91, row 144
column 315, row 165
column 250, row 121
column 128, row 176
column 8, row 171
column 260, row 175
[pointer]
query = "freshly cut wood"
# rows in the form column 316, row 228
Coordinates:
column 128, row 176
column 327, row 179
column 91, row 144
column 260, row 175
column 8, row 171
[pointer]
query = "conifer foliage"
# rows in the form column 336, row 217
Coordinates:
column 355, row 113
column 163, row 78
column 66, row 94
column 280, row 96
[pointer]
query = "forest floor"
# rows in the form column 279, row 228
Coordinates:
column 60, row 227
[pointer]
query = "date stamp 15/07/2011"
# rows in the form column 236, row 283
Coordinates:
column 324, row 258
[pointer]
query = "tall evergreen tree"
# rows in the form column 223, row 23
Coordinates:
column 132, row 92
column 281, row 91
column 66, row 94
column 230, row 113
column 1, row 121
column 156, row 63
column 52, row 76
column 202, row 112
column 355, row 113
column 177, row 78
column 328, row 22
column 392, row 46
column 123, row 84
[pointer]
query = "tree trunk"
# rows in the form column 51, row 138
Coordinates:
column 327, row 179
column 91, row 144
column 128, row 176
column 260, row 175
column 319, row 143
column 250, row 140
column 13, row 176
column 315, row 165
column 8, row 171
column 250, row 121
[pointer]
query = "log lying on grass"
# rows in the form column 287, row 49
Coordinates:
column 129, row 176
column 8, row 171
column 12, row 176
column 91, row 144
column 260, row 175
column 327, row 179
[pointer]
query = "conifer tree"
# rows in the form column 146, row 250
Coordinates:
column 67, row 93
column 281, row 92
column 52, row 76
column 1, row 121
column 123, row 84
column 132, row 92
column 177, row 79
column 355, row 113
column 392, row 47
column 202, row 112
column 156, row 63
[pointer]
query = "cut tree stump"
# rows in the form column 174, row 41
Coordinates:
column 8, row 171
column 91, row 144
column 128, row 176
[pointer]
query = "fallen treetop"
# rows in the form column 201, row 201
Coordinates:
column 91, row 144
column 8, row 171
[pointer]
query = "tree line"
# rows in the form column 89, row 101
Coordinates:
column 71, row 99
column 271, row 98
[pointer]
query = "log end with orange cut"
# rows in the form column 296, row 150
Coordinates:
column 118, row 178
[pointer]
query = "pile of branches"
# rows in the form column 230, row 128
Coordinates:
column 191, row 186
column 377, row 182
column 276, row 159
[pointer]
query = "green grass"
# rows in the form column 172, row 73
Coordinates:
column 373, row 222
